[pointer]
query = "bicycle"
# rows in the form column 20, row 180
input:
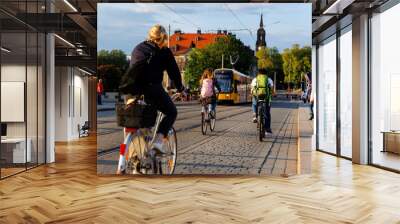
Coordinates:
column 208, row 117
column 261, row 107
column 137, row 156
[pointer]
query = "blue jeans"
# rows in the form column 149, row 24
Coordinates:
column 211, row 106
column 254, row 104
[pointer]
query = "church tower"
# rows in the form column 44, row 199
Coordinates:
column 261, row 36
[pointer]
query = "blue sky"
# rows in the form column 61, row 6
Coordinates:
column 124, row 25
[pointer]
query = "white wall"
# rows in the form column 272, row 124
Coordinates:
column 61, row 103
column 10, row 73
column 33, row 127
column 71, row 102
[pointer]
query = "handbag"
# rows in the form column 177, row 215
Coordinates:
column 136, row 115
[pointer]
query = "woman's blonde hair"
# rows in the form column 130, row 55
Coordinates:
column 158, row 35
column 207, row 74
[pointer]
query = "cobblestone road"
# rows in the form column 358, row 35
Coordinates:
column 233, row 148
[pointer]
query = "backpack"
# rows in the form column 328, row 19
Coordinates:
column 207, row 88
column 262, row 87
column 129, row 84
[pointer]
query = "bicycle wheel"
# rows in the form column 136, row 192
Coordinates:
column 167, row 162
column 135, row 152
column 213, row 117
column 260, row 122
column 203, row 123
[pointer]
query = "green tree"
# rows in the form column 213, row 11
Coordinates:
column 296, row 61
column 271, row 59
column 111, row 66
column 211, row 57
column 264, row 59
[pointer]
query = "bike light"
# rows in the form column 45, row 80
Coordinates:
column 130, row 130
column 122, row 148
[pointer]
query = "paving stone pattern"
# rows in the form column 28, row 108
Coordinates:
column 233, row 148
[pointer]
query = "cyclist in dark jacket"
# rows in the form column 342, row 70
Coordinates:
column 150, row 84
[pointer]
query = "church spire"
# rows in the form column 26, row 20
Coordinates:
column 261, row 35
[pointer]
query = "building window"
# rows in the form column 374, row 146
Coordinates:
column 346, row 92
column 327, row 95
column 385, row 89
column 22, row 78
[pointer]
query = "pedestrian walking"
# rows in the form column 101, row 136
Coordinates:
column 310, row 97
column 100, row 90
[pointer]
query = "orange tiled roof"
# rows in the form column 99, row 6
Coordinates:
column 183, row 41
column 181, row 52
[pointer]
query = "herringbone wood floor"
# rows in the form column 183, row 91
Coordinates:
column 71, row 192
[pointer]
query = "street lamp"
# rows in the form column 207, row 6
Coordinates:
column 233, row 62
column 169, row 29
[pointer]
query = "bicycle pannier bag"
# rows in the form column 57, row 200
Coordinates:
column 136, row 115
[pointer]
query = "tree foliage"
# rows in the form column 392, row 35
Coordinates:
column 296, row 61
column 110, row 67
column 264, row 59
column 269, row 59
column 211, row 57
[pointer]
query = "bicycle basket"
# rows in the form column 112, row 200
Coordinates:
column 135, row 115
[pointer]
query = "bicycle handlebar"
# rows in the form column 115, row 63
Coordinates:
column 175, row 96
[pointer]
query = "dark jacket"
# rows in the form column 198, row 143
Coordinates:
column 163, row 60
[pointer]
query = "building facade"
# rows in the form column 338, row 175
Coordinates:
column 357, row 81
column 181, row 43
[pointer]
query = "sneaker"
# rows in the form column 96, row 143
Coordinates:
column 268, row 133
column 254, row 120
column 159, row 147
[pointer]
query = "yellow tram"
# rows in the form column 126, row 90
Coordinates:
column 235, row 86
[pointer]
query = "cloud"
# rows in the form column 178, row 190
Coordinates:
column 126, row 24
column 130, row 7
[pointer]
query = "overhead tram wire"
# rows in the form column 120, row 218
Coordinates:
column 183, row 17
column 237, row 18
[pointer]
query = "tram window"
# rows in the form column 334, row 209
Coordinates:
column 235, row 85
